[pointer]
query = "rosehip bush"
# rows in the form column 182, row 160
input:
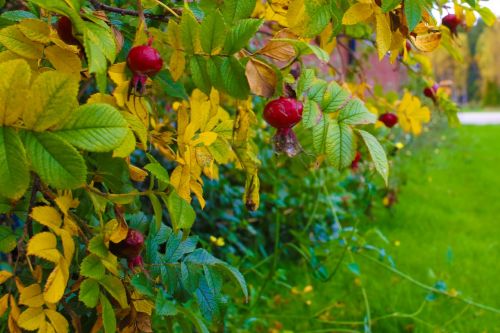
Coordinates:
column 126, row 127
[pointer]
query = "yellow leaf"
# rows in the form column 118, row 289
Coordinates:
column 35, row 30
column 197, row 189
column 52, row 100
column 117, row 73
column 32, row 296
column 252, row 188
column 13, row 39
column 142, row 305
column 277, row 11
column 47, row 216
column 139, row 107
column 56, row 282
column 357, row 13
column 137, row 174
column 54, row 38
column 205, row 138
column 261, row 77
column 384, row 34
column 177, row 64
column 326, row 41
column 116, row 230
column 427, row 42
column 64, row 60
column 65, row 202
column 31, row 319
column 296, row 16
column 180, row 179
column 43, row 245
column 14, row 84
column 102, row 98
column 200, row 111
column 4, row 276
column 4, row 304
column 68, row 245
column 58, row 321
column 412, row 115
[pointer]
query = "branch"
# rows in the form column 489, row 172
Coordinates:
column 107, row 8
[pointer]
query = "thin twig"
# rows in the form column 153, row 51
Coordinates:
column 107, row 8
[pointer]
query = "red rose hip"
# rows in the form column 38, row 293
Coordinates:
column 452, row 22
column 144, row 61
column 130, row 248
column 283, row 112
column 389, row 119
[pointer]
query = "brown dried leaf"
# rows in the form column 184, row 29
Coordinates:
column 281, row 51
column 261, row 78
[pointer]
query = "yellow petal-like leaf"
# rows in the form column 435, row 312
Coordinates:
column 31, row 319
column 13, row 39
column 68, row 245
column 58, row 321
column 32, row 296
column 47, row 216
column 56, row 283
column 35, row 30
column 43, row 245
column 64, row 60
column 384, row 35
column 4, row 276
column 14, row 84
column 117, row 73
column 53, row 98
column 116, row 230
column 357, row 13
column 205, row 138
column 4, row 304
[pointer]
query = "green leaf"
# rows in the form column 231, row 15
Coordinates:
column 164, row 306
column 198, row 66
column 143, row 285
column 115, row 288
column 158, row 171
column 319, row 17
column 89, row 293
column 334, row 97
column 311, row 114
column 207, row 298
column 194, row 319
column 413, row 13
column 14, row 173
column 108, row 315
column 8, row 240
column 157, row 209
column 182, row 215
column 176, row 247
column 94, row 127
column 317, row 91
column 213, row 32
column 52, row 100
column 235, row 275
column 354, row 267
column 234, row 10
column 377, row 154
column 388, row 5
column 214, row 65
column 305, row 80
column 92, row 267
column 235, row 80
column 190, row 31
column 98, row 247
column 102, row 37
column 240, row 35
column 356, row 113
column 487, row 15
column 339, row 145
column 62, row 7
column 56, row 161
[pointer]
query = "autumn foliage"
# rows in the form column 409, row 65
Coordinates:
column 113, row 119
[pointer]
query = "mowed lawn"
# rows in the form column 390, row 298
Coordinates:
column 445, row 227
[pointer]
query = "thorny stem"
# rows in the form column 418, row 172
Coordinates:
column 100, row 6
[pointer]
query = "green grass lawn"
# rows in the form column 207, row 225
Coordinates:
column 447, row 226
